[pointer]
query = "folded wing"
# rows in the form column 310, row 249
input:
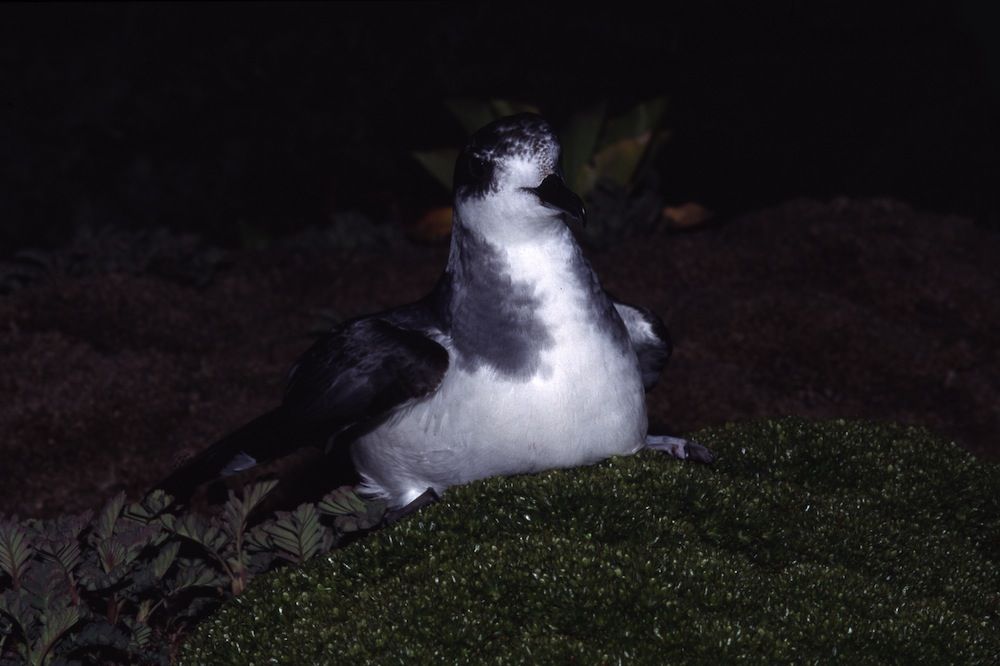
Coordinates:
column 650, row 339
column 346, row 383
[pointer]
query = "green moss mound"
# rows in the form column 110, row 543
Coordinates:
column 804, row 542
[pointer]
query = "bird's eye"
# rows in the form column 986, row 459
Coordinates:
column 472, row 171
column 478, row 167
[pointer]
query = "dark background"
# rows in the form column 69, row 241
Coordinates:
column 251, row 121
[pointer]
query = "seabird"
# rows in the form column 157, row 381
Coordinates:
column 517, row 361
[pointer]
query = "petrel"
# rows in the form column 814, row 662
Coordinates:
column 517, row 361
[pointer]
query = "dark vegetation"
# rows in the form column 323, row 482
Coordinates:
column 125, row 584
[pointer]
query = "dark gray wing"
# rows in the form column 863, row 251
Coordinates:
column 349, row 380
column 361, row 371
column 650, row 339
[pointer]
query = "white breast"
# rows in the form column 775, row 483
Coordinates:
column 584, row 404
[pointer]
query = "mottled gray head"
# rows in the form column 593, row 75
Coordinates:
column 507, row 178
column 513, row 151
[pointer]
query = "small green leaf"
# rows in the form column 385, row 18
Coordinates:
column 54, row 624
column 164, row 559
column 641, row 119
column 258, row 539
column 298, row 535
column 111, row 555
column 471, row 114
column 194, row 527
column 350, row 511
column 362, row 520
column 237, row 510
column 341, row 502
column 504, row 107
column 256, row 493
column 15, row 551
column 168, row 521
column 347, row 524
column 579, row 139
column 66, row 554
column 439, row 163
column 149, row 508
column 141, row 636
column 619, row 161
column 194, row 573
column 16, row 607
column 108, row 517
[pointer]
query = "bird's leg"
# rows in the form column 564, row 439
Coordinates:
column 679, row 448
column 429, row 496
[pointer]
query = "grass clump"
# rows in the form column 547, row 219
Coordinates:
column 805, row 542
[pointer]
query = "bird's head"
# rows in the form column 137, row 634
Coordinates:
column 507, row 180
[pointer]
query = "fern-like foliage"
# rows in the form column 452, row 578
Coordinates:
column 122, row 585
column 351, row 513
column 15, row 551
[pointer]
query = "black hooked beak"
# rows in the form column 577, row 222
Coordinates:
column 554, row 194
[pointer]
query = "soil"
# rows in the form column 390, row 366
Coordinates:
column 121, row 358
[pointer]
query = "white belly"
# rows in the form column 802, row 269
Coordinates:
column 586, row 403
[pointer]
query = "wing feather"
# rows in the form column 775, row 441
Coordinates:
column 362, row 371
column 650, row 339
column 349, row 380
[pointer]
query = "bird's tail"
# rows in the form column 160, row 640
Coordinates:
column 259, row 441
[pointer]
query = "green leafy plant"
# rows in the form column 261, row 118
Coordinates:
column 606, row 159
column 121, row 586
column 350, row 512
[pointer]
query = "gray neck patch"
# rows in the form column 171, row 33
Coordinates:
column 493, row 319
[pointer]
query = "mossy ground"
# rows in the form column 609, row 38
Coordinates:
column 805, row 542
